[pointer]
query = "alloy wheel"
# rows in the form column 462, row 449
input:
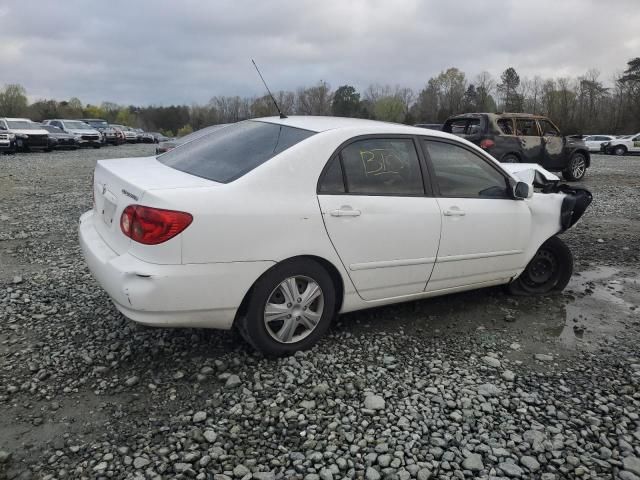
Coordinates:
column 578, row 166
column 293, row 309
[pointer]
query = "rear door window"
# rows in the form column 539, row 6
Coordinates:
column 506, row 126
column 381, row 166
column 230, row 152
column 463, row 126
column 332, row 181
column 526, row 127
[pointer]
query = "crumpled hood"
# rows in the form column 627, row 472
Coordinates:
column 527, row 172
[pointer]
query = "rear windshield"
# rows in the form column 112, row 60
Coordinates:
column 463, row 126
column 232, row 151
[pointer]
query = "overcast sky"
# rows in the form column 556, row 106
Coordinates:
column 184, row 51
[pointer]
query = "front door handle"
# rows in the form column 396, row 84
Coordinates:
column 454, row 212
column 345, row 211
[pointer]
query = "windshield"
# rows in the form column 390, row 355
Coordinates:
column 23, row 125
column 76, row 125
column 228, row 153
column 52, row 129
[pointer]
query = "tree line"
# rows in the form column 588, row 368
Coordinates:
column 583, row 104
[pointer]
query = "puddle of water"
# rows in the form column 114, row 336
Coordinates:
column 605, row 300
column 597, row 305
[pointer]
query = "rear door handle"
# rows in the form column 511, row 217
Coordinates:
column 345, row 211
column 454, row 212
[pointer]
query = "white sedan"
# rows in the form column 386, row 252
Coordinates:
column 594, row 142
column 276, row 225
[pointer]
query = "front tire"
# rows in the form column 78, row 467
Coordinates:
column 289, row 308
column 549, row 271
column 619, row 150
column 576, row 168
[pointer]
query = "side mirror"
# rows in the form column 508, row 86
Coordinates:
column 2, row 127
column 522, row 190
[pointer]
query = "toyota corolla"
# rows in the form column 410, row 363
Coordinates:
column 276, row 225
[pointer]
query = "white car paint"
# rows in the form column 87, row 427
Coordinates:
column 594, row 142
column 396, row 249
column 25, row 131
column 628, row 143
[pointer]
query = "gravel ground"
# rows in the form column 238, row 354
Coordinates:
column 473, row 385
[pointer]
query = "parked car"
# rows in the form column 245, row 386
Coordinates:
column 430, row 126
column 622, row 145
column 130, row 136
column 59, row 139
column 119, row 134
column 21, row 135
column 109, row 135
column 85, row 135
column 520, row 137
column 276, row 225
column 175, row 142
column 159, row 137
column 594, row 142
column 144, row 137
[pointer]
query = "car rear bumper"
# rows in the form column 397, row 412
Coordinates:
column 191, row 295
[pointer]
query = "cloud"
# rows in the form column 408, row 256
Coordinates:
column 164, row 52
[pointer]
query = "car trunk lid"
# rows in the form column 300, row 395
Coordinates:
column 122, row 182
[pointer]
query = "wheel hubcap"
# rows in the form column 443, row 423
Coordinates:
column 293, row 309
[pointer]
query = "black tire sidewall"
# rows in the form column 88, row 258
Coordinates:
column 510, row 158
column 619, row 149
column 565, row 259
column 252, row 324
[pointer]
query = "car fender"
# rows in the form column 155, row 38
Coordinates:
column 580, row 149
column 553, row 212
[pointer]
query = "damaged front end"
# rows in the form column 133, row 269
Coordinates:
column 576, row 200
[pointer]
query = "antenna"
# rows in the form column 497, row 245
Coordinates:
column 282, row 115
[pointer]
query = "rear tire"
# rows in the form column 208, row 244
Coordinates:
column 289, row 308
column 510, row 158
column 549, row 271
column 576, row 168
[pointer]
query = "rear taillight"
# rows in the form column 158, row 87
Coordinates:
column 152, row 226
column 487, row 143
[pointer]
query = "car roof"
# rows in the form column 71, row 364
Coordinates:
column 321, row 124
column 18, row 119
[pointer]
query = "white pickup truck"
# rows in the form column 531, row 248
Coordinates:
column 21, row 134
column 622, row 145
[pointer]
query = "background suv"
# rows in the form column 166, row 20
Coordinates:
column 85, row 135
column 108, row 133
column 521, row 137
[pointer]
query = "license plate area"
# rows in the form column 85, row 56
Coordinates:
column 108, row 207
